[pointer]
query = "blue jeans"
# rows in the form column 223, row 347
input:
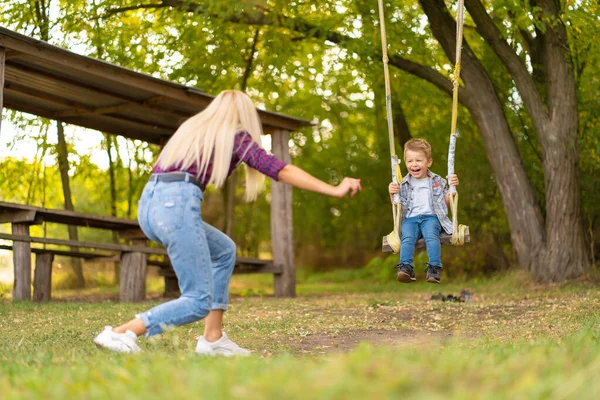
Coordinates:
column 427, row 227
column 202, row 256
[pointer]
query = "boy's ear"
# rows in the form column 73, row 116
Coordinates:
column 429, row 162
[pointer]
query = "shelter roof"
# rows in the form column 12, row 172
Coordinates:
column 55, row 83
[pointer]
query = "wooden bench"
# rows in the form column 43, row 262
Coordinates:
column 134, row 257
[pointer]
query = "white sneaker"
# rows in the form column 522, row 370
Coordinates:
column 223, row 347
column 119, row 342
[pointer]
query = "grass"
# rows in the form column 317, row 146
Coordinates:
column 347, row 335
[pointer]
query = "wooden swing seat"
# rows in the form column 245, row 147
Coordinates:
column 445, row 238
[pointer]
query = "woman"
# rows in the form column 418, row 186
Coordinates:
column 205, row 150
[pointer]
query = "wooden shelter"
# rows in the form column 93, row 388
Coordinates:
column 51, row 82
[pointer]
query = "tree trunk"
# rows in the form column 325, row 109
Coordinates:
column 553, row 249
column 481, row 98
column 566, row 254
column 113, row 199
column 229, row 200
column 229, row 190
column 63, row 165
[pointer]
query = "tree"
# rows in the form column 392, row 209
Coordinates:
column 531, row 41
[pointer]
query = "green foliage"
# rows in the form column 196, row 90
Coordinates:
column 296, row 69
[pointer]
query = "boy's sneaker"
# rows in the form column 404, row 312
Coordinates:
column 118, row 342
column 405, row 273
column 222, row 347
column 433, row 273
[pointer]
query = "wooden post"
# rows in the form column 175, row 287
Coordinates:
column 171, row 286
column 133, row 274
column 2, row 64
column 42, row 280
column 282, row 230
column 22, row 263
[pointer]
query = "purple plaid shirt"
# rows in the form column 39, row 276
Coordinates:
column 244, row 150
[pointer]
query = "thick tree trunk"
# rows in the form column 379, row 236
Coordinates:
column 481, row 99
column 549, row 95
column 553, row 249
column 63, row 165
column 566, row 254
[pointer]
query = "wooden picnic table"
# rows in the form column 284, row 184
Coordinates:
column 133, row 256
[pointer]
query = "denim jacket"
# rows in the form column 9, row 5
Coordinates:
column 437, row 190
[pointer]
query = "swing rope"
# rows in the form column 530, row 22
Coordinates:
column 458, row 231
column 394, row 237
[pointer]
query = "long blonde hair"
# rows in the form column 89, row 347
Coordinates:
column 210, row 135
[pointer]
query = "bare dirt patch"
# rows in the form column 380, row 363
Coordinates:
column 345, row 341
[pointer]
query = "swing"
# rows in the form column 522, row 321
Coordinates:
column 460, row 233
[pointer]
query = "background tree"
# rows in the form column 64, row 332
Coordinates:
column 320, row 61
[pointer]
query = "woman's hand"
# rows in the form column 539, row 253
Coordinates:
column 348, row 185
column 393, row 188
column 301, row 179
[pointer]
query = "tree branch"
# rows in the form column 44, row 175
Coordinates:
column 559, row 61
column 426, row 73
column 264, row 17
column 250, row 60
column 515, row 66
column 120, row 10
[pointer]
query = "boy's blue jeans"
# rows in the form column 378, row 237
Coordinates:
column 202, row 256
column 429, row 228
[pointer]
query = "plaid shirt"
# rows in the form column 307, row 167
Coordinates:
column 437, row 193
column 244, row 150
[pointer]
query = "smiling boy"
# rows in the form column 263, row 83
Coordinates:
column 425, row 201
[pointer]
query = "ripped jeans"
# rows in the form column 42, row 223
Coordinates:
column 202, row 256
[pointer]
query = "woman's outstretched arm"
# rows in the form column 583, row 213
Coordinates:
column 301, row 179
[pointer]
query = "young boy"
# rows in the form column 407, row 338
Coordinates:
column 425, row 201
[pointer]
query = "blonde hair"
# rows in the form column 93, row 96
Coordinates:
column 209, row 135
column 418, row 145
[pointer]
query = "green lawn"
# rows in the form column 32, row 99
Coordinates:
column 343, row 337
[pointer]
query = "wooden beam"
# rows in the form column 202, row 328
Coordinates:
column 79, row 109
column 282, row 230
column 30, row 216
column 116, row 127
column 44, row 51
column 2, row 68
column 83, row 109
column 130, row 234
column 149, row 104
column 258, row 269
column 269, row 268
column 16, row 87
column 75, row 112
column 11, row 54
column 17, row 238
column 65, row 253
column 73, row 217
column 444, row 239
